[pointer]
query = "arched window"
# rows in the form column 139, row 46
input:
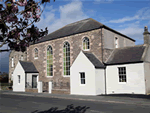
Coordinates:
column 66, row 58
column 12, row 62
column 49, row 61
column 86, row 43
column 36, row 53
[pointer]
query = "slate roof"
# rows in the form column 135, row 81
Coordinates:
column 126, row 55
column 77, row 27
column 28, row 67
column 94, row 60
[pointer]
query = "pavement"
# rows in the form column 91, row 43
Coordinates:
column 114, row 98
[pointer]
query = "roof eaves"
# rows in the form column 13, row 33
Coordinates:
column 31, row 72
column 123, row 63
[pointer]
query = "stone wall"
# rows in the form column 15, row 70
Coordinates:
column 17, row 56
column 75, row 42
column 31, row 90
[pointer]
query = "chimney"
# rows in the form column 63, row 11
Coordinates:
column 146, row 36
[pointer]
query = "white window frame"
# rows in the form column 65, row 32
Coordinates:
column 122, row 74
column 80, row 74
column 36, row 57
column 19, row 78
column 65, row 75
column 12, row 62
column 88, row 42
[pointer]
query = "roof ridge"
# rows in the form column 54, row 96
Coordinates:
column 78, row 21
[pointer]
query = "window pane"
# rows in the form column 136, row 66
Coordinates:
column 122, row 74
column 49, row 61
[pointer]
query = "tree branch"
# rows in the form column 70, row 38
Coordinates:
column 3, row 43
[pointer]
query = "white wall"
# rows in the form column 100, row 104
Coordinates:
column 134, row 75
column 29, row 77
column 82, row 64
column 100, row 81
column 19, row 71
column 147, row 76
column 147, row 57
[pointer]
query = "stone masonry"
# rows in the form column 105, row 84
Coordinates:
column 17, row 56
column 75, row 42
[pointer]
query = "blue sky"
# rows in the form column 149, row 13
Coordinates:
column 125, row 16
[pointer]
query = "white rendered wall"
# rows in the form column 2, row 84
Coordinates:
column 20, row 87
column 134, row 75
column 100, row 81
column 147, row 76
column 147, row 57
column 29, row 78
column 40, row 87
column 82, row 64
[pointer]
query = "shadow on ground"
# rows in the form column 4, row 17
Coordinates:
column 129, row 95
column 68, row 109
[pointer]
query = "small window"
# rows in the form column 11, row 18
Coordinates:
column 19, row 79
column 122, row 74
column 36, row 53
column 82, row 77
column 86, row 43
column 12, row 62
column 116, row 42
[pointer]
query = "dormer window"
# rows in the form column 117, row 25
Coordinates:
column 116, row 42
column 86, row 43
column 35, row 53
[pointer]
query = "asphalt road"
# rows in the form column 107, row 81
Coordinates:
column 28, row 104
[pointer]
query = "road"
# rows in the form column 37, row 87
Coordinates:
column 29, row 104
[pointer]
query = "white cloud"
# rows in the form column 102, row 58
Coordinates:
column 122, row 20
column 102, row 1
column 69, row 13
column 142, row 14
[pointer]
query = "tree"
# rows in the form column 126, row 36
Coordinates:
column 17, row 23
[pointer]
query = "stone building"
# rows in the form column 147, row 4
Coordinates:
column 14, row 57
column 61, row 54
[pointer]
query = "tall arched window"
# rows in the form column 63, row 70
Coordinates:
column 35, row 53
column 86, row 43
column 66, row 58
column 49, row 61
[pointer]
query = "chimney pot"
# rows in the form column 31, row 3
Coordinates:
column 146, row 35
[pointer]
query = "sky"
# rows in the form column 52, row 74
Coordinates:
column 126, row 16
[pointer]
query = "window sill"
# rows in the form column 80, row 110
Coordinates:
column 122, row 82
column 49, row 76
column 82, row 84
column 36, row 58
column 86, row 49
column 66, row 75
